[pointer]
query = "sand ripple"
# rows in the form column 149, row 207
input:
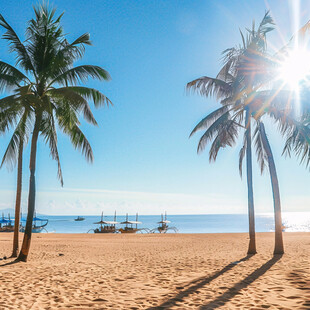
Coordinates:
column 172, row 271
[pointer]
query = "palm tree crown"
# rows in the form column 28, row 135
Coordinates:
column 47, row 93
column 242, row 88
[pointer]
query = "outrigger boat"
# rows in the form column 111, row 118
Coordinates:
column 79, row 218
column 129, row 229
column 36, row 228
column 6, row 224
column 106, row 227
column 163, row 225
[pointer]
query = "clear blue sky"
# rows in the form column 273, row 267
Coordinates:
column 144, row 160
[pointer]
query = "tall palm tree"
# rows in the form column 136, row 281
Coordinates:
column 13, row 113
column 239, row 86
column 15, row 151
column 51, row 88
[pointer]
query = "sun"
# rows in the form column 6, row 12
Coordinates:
column 295, row 68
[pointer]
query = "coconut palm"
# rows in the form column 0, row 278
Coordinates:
column 239, row 86
column 13, row 153
column 13, row 113
column 51, row 88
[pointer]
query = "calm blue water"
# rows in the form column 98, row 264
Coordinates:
column 205, row 223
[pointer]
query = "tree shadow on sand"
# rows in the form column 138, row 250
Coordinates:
column 197, row 284
column 233, row 291
column 15, row 261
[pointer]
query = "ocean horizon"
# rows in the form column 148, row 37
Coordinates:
column 185, row 223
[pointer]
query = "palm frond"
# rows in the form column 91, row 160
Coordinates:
column 22, row 56
column 81, row 74
column 205, row 122
column 9, row 102
column 10, row 77
column 259, row 147
column 80, row 142
column 74, row 99
column 68, row 122
column 8, row 118
column 207, row 86
column 298, row 141
column 20, row 135
column 98, row 98
column 48, row 131
column 226, row 136
column 219, row 127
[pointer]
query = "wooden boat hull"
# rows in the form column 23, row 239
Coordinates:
column 7, row 229
column 35, row 229
column 128, row 231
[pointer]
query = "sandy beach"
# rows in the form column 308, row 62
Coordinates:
column 172, row 271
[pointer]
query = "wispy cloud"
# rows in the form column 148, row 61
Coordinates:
column 92, row 201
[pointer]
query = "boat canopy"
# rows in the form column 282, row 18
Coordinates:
column 4, row 221
column 131, row 222
column 164, row 222
column 107, row 222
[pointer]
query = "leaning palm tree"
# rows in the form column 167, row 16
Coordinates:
column 51, row 88
column 12, row 113
column 238, row 87
column 13, row 153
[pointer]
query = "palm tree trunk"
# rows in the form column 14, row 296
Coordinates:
column 18, row 197
column 278, row 248
column 32, row 192
column 252, row 242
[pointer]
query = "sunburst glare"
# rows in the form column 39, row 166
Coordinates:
column 295, row 68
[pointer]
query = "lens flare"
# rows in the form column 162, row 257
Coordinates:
column 295, row 68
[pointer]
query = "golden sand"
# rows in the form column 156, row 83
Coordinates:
column 172, row 271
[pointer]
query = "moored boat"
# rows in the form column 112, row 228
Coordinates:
column 129, row 226
column 163, row 225
column 36, row 227
column 106, row 227
column 79, row 218
column 6, row 225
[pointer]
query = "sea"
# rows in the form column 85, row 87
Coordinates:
column 195, row 223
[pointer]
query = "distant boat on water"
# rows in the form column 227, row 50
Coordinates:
column 79, row 218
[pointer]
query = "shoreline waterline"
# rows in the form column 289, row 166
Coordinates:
column 195, row 223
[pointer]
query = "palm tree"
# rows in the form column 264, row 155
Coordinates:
column 266, row 149
column 15, row 149
column 12, row 112
column 239, row 86
column 51, row 89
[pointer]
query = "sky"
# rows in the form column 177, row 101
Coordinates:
column 144, row 159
